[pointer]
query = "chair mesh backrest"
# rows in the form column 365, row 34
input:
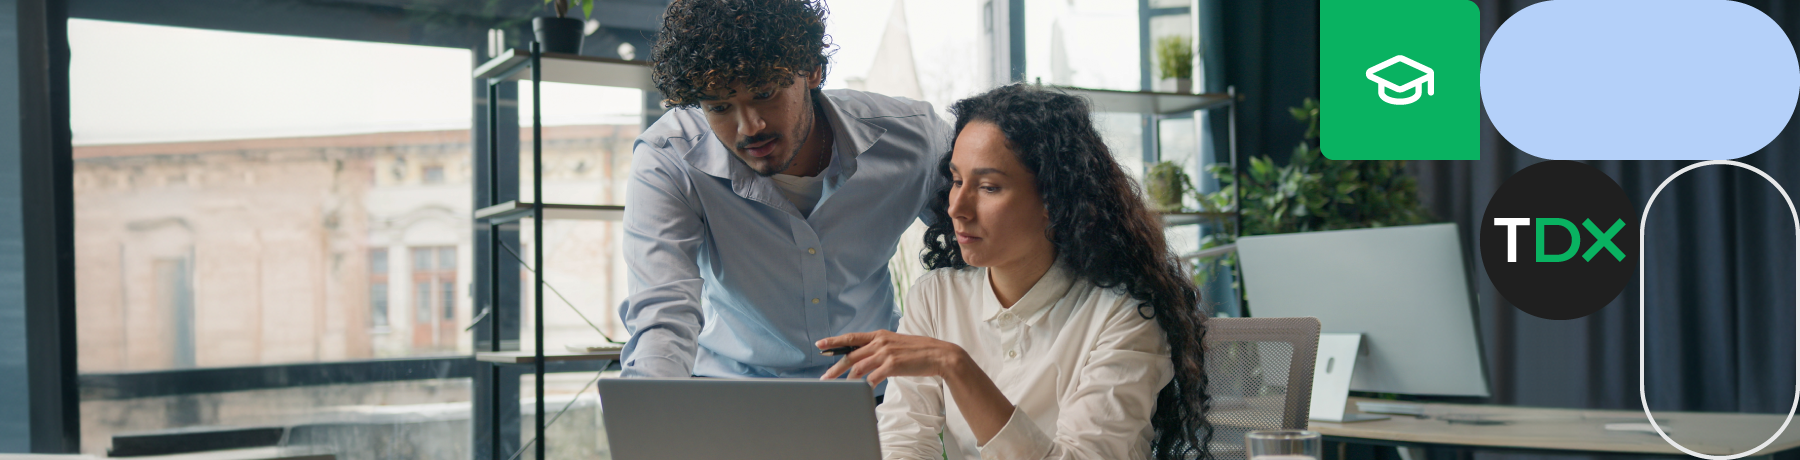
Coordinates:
column 1259, row 374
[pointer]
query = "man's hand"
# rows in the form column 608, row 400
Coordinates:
column 884, row 354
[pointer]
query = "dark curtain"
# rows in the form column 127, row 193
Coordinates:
column 1719, row 277
column 1719, row 246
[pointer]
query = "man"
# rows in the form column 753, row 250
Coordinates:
column 761, row 212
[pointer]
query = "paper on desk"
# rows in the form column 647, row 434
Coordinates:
column 1644, row 427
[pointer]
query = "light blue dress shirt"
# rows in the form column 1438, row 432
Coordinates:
column 728, row 279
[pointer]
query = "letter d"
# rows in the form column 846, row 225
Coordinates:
column 1574, row 239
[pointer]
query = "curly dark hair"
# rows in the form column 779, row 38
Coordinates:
column 706, row 46
column 1103, row 232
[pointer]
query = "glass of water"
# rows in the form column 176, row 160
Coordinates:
column 1282, row 445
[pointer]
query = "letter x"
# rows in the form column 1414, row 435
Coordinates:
column 1602, row 239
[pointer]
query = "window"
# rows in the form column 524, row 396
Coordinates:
column 1088, row 44
column 434, row 174
column 378, row 289
column 300, row 209
column 175, row 301
column 434, row 291
column 257, row 212
column 238, row 212
column 447, row 289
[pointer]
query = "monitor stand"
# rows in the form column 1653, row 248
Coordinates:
column 1331, row 379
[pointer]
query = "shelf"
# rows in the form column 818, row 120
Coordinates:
column 1210, row 252
column 1148, row 102
column 526, row 357
column 569, row 68
column 514, row 210
column 1171, row 219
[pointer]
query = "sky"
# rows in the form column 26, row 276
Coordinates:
column 133, row 83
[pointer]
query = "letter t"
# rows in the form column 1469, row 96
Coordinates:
column 1512, row 235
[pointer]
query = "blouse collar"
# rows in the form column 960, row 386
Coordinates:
column 1049, row 289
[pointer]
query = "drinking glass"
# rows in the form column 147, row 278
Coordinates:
column 1282, row 445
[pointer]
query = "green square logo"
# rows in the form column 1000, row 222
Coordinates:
column 1402, row 79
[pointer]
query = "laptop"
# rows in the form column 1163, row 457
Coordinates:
column 750, row 419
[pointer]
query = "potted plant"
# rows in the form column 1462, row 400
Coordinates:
column 1175, row 62
column 1165, row 185
column 562, row 34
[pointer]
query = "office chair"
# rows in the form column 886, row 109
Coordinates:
column 1259, row 373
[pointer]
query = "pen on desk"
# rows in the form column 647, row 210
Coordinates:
column 839, row 351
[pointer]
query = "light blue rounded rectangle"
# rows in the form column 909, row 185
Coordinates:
column 1640, row 80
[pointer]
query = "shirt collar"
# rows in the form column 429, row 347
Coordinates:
column 1049, row 289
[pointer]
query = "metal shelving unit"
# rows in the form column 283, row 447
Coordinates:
column 536, row 66
column 512, row 211
column 1157, row 106
column 1149, row 102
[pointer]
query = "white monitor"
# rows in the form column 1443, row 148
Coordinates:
column 1405, row 289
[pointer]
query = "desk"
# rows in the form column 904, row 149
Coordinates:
column 1566, row 430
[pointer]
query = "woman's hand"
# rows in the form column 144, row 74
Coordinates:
column 884, row 354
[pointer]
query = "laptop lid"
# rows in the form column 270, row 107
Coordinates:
column 752, row 419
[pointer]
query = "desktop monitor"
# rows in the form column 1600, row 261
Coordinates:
column 1405, row 289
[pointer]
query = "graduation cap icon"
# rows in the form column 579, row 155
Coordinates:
column 1382, row 86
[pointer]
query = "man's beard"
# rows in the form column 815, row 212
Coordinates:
column 802, row 132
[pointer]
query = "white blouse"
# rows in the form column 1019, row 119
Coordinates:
column 1079, row 363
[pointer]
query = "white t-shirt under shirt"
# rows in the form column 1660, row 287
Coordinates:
column 804, row 192
column 1082, row 368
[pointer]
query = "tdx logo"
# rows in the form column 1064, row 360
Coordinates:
column 1559, row 239
column 1601, row 239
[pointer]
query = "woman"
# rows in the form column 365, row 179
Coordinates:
column 1054, row 318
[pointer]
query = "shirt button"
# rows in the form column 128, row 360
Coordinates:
column 811, row 251
column 1012, row 353
column 815, row 300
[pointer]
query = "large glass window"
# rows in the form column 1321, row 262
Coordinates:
column 264, row 207
column 1082, row 43
column 238, row 211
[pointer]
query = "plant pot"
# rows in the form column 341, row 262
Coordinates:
column 1176, row 85
column 1165, row 185
column 559, row 35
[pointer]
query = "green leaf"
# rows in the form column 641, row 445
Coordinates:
column 587, row 8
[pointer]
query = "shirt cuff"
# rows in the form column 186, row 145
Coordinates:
column 654, row 367
column 1019, row 439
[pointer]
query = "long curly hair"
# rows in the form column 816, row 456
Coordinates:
column 1103, row 231
column 706, row 46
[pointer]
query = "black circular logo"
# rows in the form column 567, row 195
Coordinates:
column 1559, row 240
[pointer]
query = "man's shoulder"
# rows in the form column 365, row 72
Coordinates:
column 667, row 142
column 865, row 105
column 677, row 129
column 901, row 121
